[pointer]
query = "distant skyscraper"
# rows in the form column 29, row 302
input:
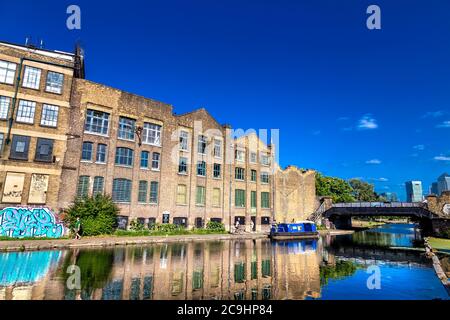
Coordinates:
column 414, row 191
column 443, row 183
column 434, row 188
column 390, row 196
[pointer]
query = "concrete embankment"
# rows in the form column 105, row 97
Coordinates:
column 437, row 265
column 30, row 245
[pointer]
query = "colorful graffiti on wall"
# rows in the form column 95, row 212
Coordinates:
column 22, row 222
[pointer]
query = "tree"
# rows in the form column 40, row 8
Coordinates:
column 363, row 191
column 98, row 215
column 338, row 189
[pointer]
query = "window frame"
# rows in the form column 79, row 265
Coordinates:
column 202, row 144
column 240, row 198
column 156, row 160
column 105, row 153
column 150, row 127
column 264, row 174
column 95, row 185
column 124, row 192
column 36, row 78
column 60, row 86
column 183, row 163
column 184, row 194
column 86, row 143
column 217, row 146
column 54, row 111
column 239, row 174
column 200, row 198
column 8, row 71
column 146, row 159
column 22, row 115
column 39, row 143
column 79, row 186
column 184, row 140
column 126, row 130
column 215, row 176
column 201, row 167
column 5, row 106
column 13, row 151
column 142, row 191
column 154, row 194
column 128, row 157
column 263, row 204
column 92, row 117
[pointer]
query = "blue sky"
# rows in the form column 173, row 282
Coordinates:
column 348, row 101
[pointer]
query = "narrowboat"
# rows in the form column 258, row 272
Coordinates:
column 294, row 231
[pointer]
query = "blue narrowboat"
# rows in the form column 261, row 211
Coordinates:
column 293, row 231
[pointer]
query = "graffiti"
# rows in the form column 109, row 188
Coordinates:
column 29, row 222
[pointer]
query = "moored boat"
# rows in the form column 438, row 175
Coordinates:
column 293, row 231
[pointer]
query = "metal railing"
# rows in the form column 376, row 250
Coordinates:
column 379, row 205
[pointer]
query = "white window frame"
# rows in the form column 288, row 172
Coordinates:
column 264, row 174
column 202, row 139
column 217, row 148
column 157, row 161
column 5, row 104
column 26, row 111
column 54, row 87
column 31, row 77
column 2, row 140
column 7, row 72
column 102, row 119
column 240, row 151
column 184, row 140
column 255, row 160
column 152, row 131
column 263, row 156
column 54, row 111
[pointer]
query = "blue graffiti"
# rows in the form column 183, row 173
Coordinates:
column 29, row 222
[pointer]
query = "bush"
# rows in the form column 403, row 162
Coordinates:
column 136, row 226
column 98, row 215
column 215, row 226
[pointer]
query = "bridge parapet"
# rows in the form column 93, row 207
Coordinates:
column 380, row 205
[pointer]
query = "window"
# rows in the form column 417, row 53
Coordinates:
column 86, row 153
column 265, row 200
column 5, row 103
column 253, row 176
column 31, row 77
column 217, row 169
column 98, row 186
column 83, row 186
column 239, row 173
column 49, row 116
column 121, row 191
column 19, row 147
column 184, row 136
column 201, row 146
column 1, row 143
column 182, row 165
column 55, row 82
column 239, row 198
column 26, row 110
column 240, row 155
column 13, row 187
column 264, row 177
column 265, row 160
column 44, row 150
column 155, row 160
column 181, row 194
column 97, row 122
column 201, row 196
column 38, row 188
column 253, row 157
column 217, row 148
column 201, row 168
column 124, row 157
column 7, row 72
column 142, row 193
column 253, row 199
column 154, row 191
column 144, row 159
column 126, row 128
column 216, row 197
column 101, row 153
column 152, row 134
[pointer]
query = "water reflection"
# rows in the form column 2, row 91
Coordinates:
column 228, row 270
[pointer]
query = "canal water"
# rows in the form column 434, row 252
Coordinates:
column 340, row 267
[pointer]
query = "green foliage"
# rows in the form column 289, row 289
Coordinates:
column 136, row 226
column 363, row 191
column 95, row 267
column 341, row 270
column 338, row 189
column 215, row 226
column 98, row 215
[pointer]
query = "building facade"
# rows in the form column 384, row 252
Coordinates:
column 414, row 191
column 35, row 93
column 63, row 137
column 443, row 183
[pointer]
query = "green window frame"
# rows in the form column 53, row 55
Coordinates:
column 154, row 187
column 98, row 186
column 200, row 198
column 265, row 200
column 83, row 186
column 142, row 192
column 239, row 198
column 253, row 200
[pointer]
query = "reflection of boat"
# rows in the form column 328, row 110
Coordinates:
column 299, row 247
column 293, row 231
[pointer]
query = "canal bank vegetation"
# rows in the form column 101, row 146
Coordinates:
column 166, row 229
column 337, row 271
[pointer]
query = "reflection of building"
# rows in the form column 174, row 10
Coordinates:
column 414, row 191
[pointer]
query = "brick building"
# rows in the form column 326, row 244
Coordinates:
column 71, row 137
column 35, row 93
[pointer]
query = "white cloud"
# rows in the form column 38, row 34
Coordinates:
column 373, row 161
column 367, row 123
column 445, row 124
column 433, row 114
column 442, row 158
column 419, row 147
column 379, row 179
